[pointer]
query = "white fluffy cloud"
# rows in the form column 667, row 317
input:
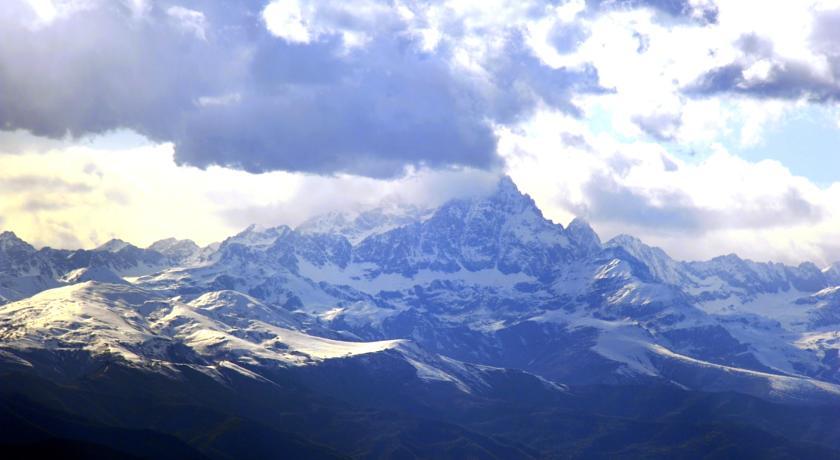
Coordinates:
column 698, row 83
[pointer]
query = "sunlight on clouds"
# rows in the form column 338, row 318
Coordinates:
column 139, row 195
column 285, row 19
column 82, row 196
column 302, row 22
column 45, row 9
column 787, row 23
column 757, row 116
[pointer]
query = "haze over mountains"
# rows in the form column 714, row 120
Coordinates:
column 427, row 332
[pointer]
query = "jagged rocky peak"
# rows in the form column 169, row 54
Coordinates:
column 508, row 195
column 390, row 213
column 113, row 245
column 808, row 277
column 175, row 248
column 507, row 210
column 11, row 242
column 661, row 265
column 731, row 258
column 258, row 235
column 507, row 185
column 326, row 222
column 8, row 235
column 810, row 268
column 625, row 240
column 581, row 233
column 638, row 249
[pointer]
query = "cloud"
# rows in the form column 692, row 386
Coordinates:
column 374, row 87
column 191, row 21
column 668, row 210
column 32, row 183
column 696, row 208
column 92, row 169
column 677, row 78
column 285, row 20
column 141, row 195
column 802, row 64
column 588, row 103
column 761, row 74
column 318, row 195
column 73, row 196
column 782, row 81
column 660, row 126
column 701, row 11
column 718, row 202
column 366, row 87
column 566, row 37
column 63, row 233
column 36, row 205
column 319, row 87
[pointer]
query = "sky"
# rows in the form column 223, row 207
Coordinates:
column 704, row 127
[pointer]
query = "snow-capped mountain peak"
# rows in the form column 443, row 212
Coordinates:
column 510, row 199
column 258, row 236
column 180, row 250
column 356, row 226
column 506, row 186
column 9, row 242
column 582, row 235
column 328, row 222
column 660, row 264
column 113, row 245
column 484, row 279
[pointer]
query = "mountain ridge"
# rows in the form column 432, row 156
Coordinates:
column 476, row 275
column 482, row 298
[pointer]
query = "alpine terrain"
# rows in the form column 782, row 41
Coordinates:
column 479, row 329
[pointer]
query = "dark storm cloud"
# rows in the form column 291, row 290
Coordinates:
column 98, row 70
column 232, row 94
column 370, row 114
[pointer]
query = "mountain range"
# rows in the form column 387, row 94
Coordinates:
column 477, row 329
